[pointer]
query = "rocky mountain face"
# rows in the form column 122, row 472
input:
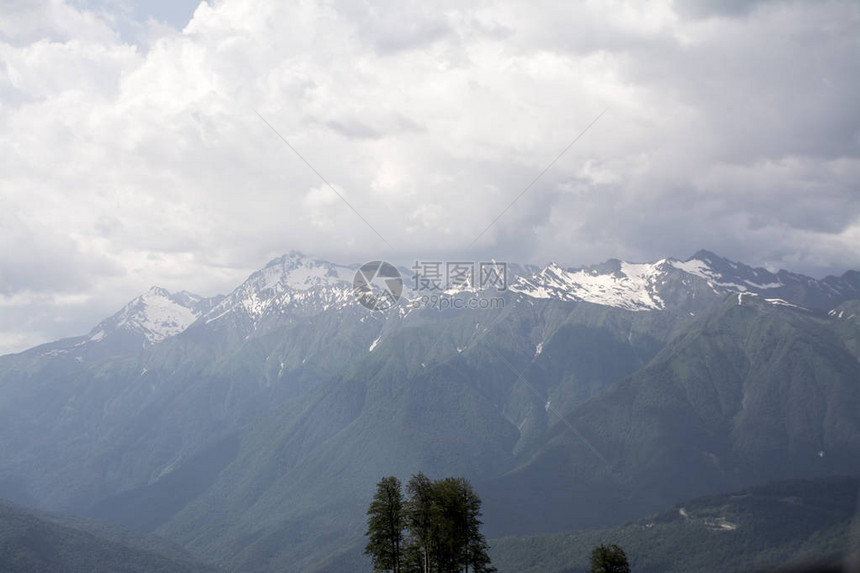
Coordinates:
column 252, row 427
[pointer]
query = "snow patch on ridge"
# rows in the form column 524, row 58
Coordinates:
column 702, row 269
column 643, row 286
column 781, row 302
column 633, row 287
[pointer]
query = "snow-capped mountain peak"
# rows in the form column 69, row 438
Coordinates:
column 292, row 283
column 298, row 272
column 157, row 314
column 728, row 274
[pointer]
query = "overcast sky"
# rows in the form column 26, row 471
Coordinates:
column 131, row 152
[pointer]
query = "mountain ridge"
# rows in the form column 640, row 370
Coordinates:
column 295, row 285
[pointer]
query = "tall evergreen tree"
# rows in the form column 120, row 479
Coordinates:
column 476, row 547
column 385, row 524
column 421, row 518
column 450, row 526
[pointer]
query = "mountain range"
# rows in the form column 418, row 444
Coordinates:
column 252, row 427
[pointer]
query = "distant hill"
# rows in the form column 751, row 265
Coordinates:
column 36, row 542
column 778, row 524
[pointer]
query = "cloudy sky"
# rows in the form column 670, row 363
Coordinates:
column 132, row 152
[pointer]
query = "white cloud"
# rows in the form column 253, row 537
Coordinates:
column 27, row 21
column 123, row 166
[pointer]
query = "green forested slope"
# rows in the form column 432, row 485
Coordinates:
column 748, row 393
column 34, row 542
column 781, row 523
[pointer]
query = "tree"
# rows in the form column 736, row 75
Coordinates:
column 450, row 531
column 476, row 548
column 609, row 559
column 442, row 520
column 461, row 544
column 385, row 524
column 421, row 518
